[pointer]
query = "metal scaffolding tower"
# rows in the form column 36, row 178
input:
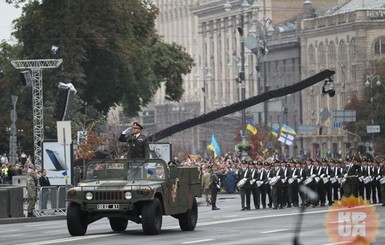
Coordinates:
column 36, row 67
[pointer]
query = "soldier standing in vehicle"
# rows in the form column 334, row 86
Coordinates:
column 138, row 146
column 214, row 186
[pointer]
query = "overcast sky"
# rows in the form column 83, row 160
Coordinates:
column 7, row 13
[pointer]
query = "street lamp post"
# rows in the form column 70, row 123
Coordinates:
column 369, row 83
column 206, row 76
column 244, row 5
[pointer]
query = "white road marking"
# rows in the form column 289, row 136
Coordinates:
column 69, row 239
column 198, row 241
column 346, row 242
column 272, row 231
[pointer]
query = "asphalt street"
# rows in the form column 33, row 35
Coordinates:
column 226, row 226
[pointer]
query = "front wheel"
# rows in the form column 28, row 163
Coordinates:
column 76, row 220
column 152, row 217
column 188, row 220
column 118, row 224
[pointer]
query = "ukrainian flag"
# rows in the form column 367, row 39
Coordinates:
column 250, row 125
column 215, row 147
column 287, row 129
column 275, row 132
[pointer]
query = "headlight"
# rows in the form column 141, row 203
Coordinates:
column 128, row 195
column 89, row 196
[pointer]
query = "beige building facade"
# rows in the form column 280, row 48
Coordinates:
column 346, row 40
column 335, row 34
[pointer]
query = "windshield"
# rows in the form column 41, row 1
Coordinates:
column 106, row 170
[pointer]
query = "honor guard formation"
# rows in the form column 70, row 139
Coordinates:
column 276, row 184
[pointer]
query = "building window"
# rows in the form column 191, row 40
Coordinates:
column 321, row 56
column 379, row 46
column 311, row 55
column 332, row 55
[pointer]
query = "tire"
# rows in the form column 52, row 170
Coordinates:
column 152, row 217
column 188, row 220
column 118, row 224
column 76, row 220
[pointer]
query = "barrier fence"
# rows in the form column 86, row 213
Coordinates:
column 51, row 200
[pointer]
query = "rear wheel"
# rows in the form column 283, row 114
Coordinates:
column 152, row 217
column 76, row 220
column 118, row 224
column 188, row 220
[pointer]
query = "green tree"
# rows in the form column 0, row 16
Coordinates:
column 110, row 49
column 363, row 110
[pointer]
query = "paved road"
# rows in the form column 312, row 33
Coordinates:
column 226, row 226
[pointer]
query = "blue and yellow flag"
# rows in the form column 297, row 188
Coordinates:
column 287, row 129
column 275, row 131
column 215, row 147
column 250, row 125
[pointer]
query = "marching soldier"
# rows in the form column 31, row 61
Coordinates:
column 276, row 174
column 294, row 186
column 329, row 174
column 300, row 179
column 367, row 179
column 333, row 185
column 261, row 182
column 351, row 173
column 376, row 186
column 244, row 177
column 266, row 185
column 287, row 173
column 253, row 184
column 312, row 179
column 321, row 181
column 382, row 181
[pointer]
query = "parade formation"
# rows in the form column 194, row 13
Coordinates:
column 276, row 184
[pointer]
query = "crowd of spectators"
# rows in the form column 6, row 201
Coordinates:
column 20, row 167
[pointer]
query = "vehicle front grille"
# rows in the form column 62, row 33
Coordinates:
column 109, row 195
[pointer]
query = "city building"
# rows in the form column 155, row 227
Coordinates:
column 298, row 39
column 345, row 39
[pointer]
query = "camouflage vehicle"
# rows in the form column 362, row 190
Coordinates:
column 135, row 190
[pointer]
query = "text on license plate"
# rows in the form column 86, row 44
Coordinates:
column 107, row 206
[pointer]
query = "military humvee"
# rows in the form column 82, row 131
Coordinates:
column 135, row 190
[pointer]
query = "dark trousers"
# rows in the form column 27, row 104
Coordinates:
column 321, row 192
column 379, row 192
column 262, row 191
column 368, row 191
column 329, row 193
column 361, row 189
column 383, row 194
column 293, row 193
column 374, row 191
column 335, row 188
column 351, row 187
column 214, row 192
column 277, row 195
column 268, row 192
column 245, row 196
column 285, row 194
column 256, row 196
column 314, row 187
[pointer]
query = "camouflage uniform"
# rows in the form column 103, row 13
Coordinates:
column 31, row 194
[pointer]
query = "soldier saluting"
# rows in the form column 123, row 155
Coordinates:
column 138, row 146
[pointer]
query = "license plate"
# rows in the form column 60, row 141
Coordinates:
column 107, row 206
